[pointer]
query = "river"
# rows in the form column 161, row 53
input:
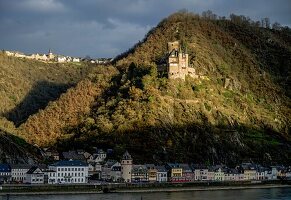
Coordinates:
column 246, row 194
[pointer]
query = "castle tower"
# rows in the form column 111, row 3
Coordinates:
column 126, row 167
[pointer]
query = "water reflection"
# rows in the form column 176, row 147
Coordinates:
column 249, row 194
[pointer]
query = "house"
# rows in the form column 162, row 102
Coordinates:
column 200, row 172
column 5, row 173
column 51, row 153
column 115, row 173
column 76, row 60
column 187, row 173
column 152, row 172
column 126, row 167
column 100, row 156
column 176, row 63
column 60, row 59
column 211, row 173
column 175, row 172
column 260, row 173
column 35, row 175
column 69, row 171
column 18, row 172
column 249, row 171
column 73, row 155
column 162, row 174
column 219, row 174
column 106, row 173
column 9, row 53
column 89, row 157
column 139, row 173
column 233, row 175
column 50, row 176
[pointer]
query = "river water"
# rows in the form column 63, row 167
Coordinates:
column 247, row 194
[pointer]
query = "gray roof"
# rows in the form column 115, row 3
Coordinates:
column 20, row 166
column 161, row 169
column 126, row 156
column 73, row 155
column 70, row 163
column 5, row 168
column 139, row 169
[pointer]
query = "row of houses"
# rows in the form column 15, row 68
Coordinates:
column 57, row 58
column 180, row 172
column 71, row 171
column 78, row 167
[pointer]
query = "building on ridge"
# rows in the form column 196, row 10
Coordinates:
column 176, row 64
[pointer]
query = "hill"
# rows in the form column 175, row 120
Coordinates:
column 28, row 85
column 15, row 150
column 237, row 109
column 69, row 110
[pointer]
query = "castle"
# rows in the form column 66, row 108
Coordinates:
column 176, row 64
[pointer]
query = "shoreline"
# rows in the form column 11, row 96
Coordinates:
column 151, row 190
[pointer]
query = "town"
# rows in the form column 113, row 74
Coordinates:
column 50, row 57
column 81, row 167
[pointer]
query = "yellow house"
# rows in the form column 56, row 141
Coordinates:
column 175, row 172
column 250, row 174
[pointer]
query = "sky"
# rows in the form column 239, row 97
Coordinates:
column 106, row 28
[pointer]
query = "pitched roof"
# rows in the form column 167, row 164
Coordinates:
column 32, row 170
column 126, row 156
column 70, row 163
column 5, row 168
column 161, row 168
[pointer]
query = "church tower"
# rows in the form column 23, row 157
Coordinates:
column 126, row 167
column 50, row 55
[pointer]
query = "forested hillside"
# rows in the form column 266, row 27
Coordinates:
column 28, row 85
column 237, row 109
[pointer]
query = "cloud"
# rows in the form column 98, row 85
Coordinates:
column 107, row 27
column 38, row 6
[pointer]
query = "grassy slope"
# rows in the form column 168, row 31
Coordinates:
column 28, row 85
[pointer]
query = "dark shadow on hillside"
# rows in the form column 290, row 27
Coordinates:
column 38, row 98
column 14, row 150
column 192, row 143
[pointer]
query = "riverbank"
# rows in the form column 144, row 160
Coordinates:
column 136, row 188
column 210, row 188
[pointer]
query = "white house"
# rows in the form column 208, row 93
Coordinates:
column 35, row 175
column 69, row 171
column 162, row 174
column 61, row 59
column 76, row 60
column 18, row 172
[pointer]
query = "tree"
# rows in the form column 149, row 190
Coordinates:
column 277, row 26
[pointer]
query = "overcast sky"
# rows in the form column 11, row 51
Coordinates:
column 105, row 28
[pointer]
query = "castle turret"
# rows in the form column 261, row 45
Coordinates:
column 126, row 167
